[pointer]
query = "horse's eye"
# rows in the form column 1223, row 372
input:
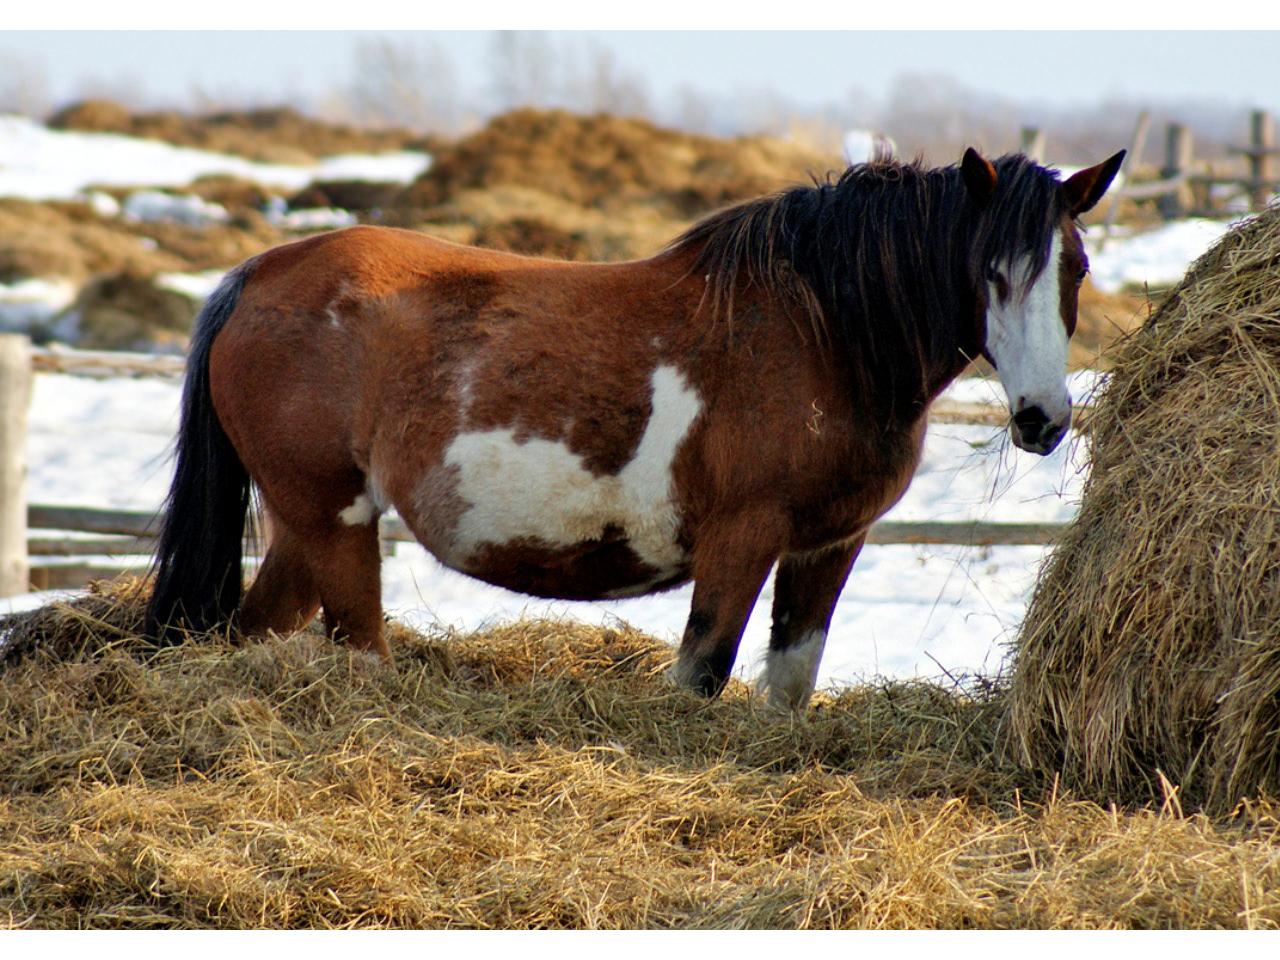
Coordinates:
column 1081, row 275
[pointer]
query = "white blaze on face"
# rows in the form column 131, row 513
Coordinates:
column 539, row 489
column 1028, row 340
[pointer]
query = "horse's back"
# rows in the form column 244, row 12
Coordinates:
column 457, row 384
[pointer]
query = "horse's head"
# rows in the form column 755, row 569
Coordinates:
column 1029, row 271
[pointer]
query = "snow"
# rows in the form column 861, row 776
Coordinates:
column 197, row 286
column 863, row 146
column 103, row 204
column 33, row 301
column 403, row 166
column 313, row 218
column 907, row 609
column 149, row 206
column 1156, row 258
column 37, row 163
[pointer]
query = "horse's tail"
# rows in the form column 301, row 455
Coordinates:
column 198, row 561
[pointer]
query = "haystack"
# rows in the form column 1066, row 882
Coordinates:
column 1152, row 645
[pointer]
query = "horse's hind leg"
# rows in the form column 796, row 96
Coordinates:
column 346, row 565
column 283, row 597
column 336, row 565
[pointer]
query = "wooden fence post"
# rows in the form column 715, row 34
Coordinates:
column 15, row 397
column 1033, row 143
column 1177, row 164
column 1262, row 142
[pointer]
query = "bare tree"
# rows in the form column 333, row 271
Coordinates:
column 406, row 83
column 608, row 87
column 522, row 70
column 24, row 86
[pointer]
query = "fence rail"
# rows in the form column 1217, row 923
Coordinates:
column 1185, row 185
column 122, row 541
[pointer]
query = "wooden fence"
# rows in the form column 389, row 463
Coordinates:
column 63, row 547
column 1184, row 186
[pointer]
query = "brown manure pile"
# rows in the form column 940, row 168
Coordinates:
column 595, row 187
column 1151, row 649
column 614, row 162
column 545, row 774
column 269, row 134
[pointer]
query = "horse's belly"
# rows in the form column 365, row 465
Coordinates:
column 593, row 570
column 527, row 514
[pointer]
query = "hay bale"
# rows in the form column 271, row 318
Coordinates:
column 1152, row 644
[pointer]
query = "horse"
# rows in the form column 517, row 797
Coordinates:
column 754, row 394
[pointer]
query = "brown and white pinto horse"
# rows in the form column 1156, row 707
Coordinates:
column 754, row 394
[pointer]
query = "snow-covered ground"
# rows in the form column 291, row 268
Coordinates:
column 1154, row 258
column 42, row 164
column 907, row 610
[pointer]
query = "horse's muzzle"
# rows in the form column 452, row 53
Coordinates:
column 1034, row 431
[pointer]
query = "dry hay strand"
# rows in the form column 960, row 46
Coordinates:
column 1151, row 648
column 545, row 774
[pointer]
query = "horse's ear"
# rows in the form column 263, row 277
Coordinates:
column 1085, row 189
column 979, row 176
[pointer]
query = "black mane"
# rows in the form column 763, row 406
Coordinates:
column 884, row 264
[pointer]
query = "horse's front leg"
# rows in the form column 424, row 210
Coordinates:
column 730, row 562
column 805, row 592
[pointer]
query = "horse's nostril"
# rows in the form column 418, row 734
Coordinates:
column 1031, row 423
column 1030, row 418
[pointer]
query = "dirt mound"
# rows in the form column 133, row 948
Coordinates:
column 1151, row 648
column 613, row 163
column 234, row 193
column 129, row 311
column 544, row 774
column 357, row 196
column 56, row 239
column 63, row 239
column 271, row 135
column 529, row 235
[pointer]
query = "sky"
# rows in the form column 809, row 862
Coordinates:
column 808, row 67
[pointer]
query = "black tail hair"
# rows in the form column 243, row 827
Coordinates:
column 198, row 562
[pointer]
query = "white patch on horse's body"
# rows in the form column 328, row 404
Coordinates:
column 1028, row 339
column 361, row 511
column 791, row 674
column 538, row 489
